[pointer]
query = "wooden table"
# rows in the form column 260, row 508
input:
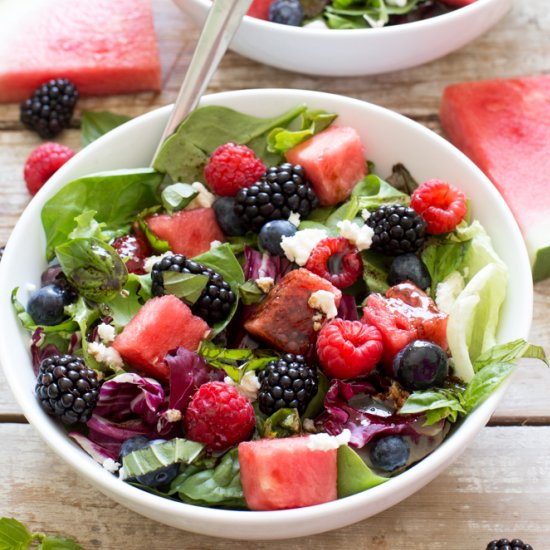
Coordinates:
column 499, row 486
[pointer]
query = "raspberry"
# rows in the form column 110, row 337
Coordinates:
column 43, row 162
column 219, row 416
column 443, row 206
column 232, row 167
column 348, row 349
column 336, row 260
column 133, row 250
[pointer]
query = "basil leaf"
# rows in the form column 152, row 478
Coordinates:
column 485, row 382
column 14, row 535
column 250, row 293
column 95, row 124
column 436, row 404
column 186, row 286
column 282, row 423
column 177, row 196
column 354, row 476
column 57, row 543
column 402, row 180
column 505, row 353
column 124, row 307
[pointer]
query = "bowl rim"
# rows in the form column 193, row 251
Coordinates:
column 386, row 495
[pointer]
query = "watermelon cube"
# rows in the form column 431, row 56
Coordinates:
column 104, row 47
column 259, row 9
column 284, row 319
column 188, row 232
column 334, row 162
column 504, row 127
column 286, row 473
column 161, row 325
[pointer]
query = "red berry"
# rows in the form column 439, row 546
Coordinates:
column 336, row 260
column 232, row 167
column 43, row 162
column 348, row 349
column 443, row 206
column 219, row 416
column 133, row 250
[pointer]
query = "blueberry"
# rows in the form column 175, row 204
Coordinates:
column 421, row 365
column 390, row 453
column 286, row 12
column 133, row 444
column 229, row 222
column 409, row 267
column 272, row 233
column 47, row 305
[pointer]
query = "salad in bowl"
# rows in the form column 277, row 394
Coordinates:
column 272, row 322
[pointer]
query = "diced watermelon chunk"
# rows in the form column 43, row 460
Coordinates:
column 188, row 232
column 334, row 162
column 285, row 473
column 504, row 127
column 284, row 319
column 259, row 9
column 161, row 325
column 405, row 314
column 104, row 47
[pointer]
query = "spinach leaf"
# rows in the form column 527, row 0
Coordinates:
column 124, row 307
column 354, row 476
column 116, row 197
column 402, row 179
column 96, row 123
column 375, row 271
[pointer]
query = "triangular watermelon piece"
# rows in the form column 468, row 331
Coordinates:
column 504, row 127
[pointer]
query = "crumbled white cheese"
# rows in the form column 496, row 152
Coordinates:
column 298, row 247
column 323, row 301
column 316, row 24
column 294, row 218
column 248, row 386
column 309, row 425
column 111, row 466
column 215, row 244
column 365, row 214
column 106, row 333
column 30, row 287
column 447, row 291
column 106, row 355
column 173, row 415
column 326, row 442
column 152, row 260
column 361, row 237
column 265, row 284
column 204, row 199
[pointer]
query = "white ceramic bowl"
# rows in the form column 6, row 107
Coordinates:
column 388, row 138
column 357, row 52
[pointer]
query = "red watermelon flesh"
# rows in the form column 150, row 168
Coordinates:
column 104, row 47
column 188, row 232
column 161, row 325
column 285, row 473
column 334, row 162
column 260, row 9
column 504, row 127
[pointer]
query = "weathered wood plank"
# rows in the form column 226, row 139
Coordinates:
column 498, row 487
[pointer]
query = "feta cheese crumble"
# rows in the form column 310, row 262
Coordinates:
column 326, row 442
column 361, row 237
column 111, row 466
column 249, row 385
column 298, row 247
column 106, row 355
column 152, row 260
column 173, row 415
column 294, row 218
column 265, row 284
column 215, row 244
column 323, row 301
column 365, row 214
column 106, row 333
column 204, row 199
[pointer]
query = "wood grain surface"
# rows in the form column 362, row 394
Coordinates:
column 500, row 486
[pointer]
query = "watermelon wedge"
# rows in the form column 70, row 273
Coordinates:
column 504, row 127
column 104, row 47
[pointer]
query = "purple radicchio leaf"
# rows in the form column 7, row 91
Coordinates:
column 260, row 264
column 347, row 309
column 38, row 353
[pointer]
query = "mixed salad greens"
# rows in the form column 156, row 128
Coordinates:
column 468, row 285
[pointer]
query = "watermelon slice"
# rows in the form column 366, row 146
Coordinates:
column 104, row 47
column 504, row 127
column 334, row 162
column 285, row 473
column 161, row 325
column 188, row 232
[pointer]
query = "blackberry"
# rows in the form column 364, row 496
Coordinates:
column 397, row 229
column 50, row 108
column 505, row 544
column 216, row 299
column 280, row 191
column 287, row 382
column 67, row 388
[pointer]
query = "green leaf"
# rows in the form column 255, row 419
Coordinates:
column 375, row 271
column 93, row 267
column 177, row 196
column 84, row 316
column 354, row 476
column 128, row 191
column 485, row 382
column 124, row 307
column 186, row 286
column 250, row 293
column 282, row 423
column 316, row 405
column 57, row 543
column 160, row 246
column 402, row 180
column 87, row 227
column 506, row 353
column 14, row 535
column 96, row 124
column 436, row 404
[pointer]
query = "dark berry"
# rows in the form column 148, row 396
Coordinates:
column 132, row 444
column 229, row 222
column 390, row 453
column 2, row 248
column 50, row 108
column 46, row 305
column 281, row 191
column 397, row 229
column 272, row 233
column 505, row 544
column 421, row 365
column 287, row 382
column 286, row 12
column 409, row 267
column 215, row 300
column 67, row 388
